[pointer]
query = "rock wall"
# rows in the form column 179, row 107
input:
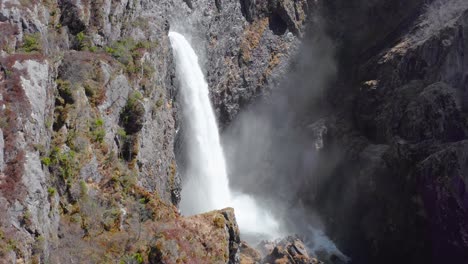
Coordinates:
column 88, row 118
column 394, row 187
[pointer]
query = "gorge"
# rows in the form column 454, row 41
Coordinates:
column 339, row 127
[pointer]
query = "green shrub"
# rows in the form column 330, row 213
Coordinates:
column 32, row 43
column 46, row 161
column 135, row 258
column 8, row 73
column 51, row 191
column 132, row 68
column 89, row 90
column 109, row 50
column 64, row 162
column 159, row 102
column 128, row 52
column 94, row 91
column 136, row 96
column 27, row 218
column 148, row 70
column 121, row 133
column 83, row 42
column 132, row 115
column 80, row 37
column 63, row 101
column 129, row 148
column 121, row 50
column 98, row 132
column 143, row 45
column 67, row 164
column 83, row 188
column 138, row 257
column 65, row 91
column 99, row 122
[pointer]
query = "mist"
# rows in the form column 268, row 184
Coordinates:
column 271, row 147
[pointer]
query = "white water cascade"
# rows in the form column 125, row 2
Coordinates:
column 206, row 186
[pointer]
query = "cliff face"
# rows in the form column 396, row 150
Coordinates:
column 397, row 133
column 89, row 115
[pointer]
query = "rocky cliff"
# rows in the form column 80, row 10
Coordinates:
column 396, row 132
column 88, row 120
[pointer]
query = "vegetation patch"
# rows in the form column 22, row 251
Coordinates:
column 129, row 52
column 63, row 102
column 32, row 43
column 98, row 133
column 132, row 115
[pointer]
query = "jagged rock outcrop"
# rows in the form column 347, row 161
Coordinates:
column 283, row 14
column 207, row 238
column 379, row 23
column 249, row 255
column 289, row 250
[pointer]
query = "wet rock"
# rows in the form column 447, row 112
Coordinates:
column 318, row 132
column 289, row 250
column 249, row 255
column 265, row 247
column 234, row 234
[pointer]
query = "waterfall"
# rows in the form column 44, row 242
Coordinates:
column 206, row 185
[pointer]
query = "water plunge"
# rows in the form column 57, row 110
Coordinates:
column 206, row 185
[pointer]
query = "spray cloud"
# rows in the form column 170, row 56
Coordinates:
column 272, row 147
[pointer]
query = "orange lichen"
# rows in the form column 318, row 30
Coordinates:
column 252, row 36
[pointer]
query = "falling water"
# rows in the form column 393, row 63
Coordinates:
column 206, row 186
